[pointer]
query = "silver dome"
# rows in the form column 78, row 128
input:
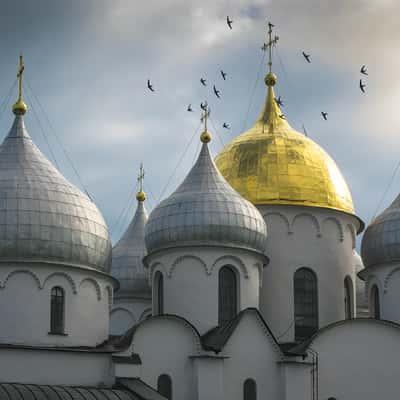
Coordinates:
column 43, row 217
column 127, row 256
column 381, row 241
column 205, row 209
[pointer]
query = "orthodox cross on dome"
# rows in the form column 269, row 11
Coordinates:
column 205, row 136
column 270, row 44
column 20, row 108
column 141, row 196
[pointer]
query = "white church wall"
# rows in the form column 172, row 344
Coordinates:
column 56, row 367
column 209, row 377
column 315, row 238
column 126, row 312
column 165, row 345
column 191, row 281
column 252, row 353
column 358, row 360
column 297, row 380
column 25, row 293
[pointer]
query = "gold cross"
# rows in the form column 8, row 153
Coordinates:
column 205, row 115
column 141, row 177
column 271, row 43
column 19, row 76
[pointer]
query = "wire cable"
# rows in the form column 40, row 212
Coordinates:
column 216, row 131
column 127, row 202
column 53, row 131
column 178, row 164
column 7, row 98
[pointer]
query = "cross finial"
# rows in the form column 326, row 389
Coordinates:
column 205, row 136
column 141, row 177
column 271, row 43
column 20, row 108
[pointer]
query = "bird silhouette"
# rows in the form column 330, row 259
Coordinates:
column 282, row 116
column 324, row 115
column 190, row 108
column 223, row 75
column 304, row 130
column 229, row 22
column 217, row 92
column 203, row 81
column 203, row 106
column 362, row 86
column 307, row 57
column 279, row 101
column 149, row 85
column 363, row 70
column 226, row 126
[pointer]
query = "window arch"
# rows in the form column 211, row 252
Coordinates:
column 348, row 298
column 250, row 389
column 164, row 386
column 305, row 303
column 227, row 294
column 159, row 293
column 57, row 307
column 375, row 303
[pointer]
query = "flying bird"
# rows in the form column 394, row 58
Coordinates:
column 279, row 101
column 363, row 70
column 203, row 81
column 223, row 75
column 190, row 108
column 203, row 106
column 324, row 115
column 307, row 57
column 282, row 116
column 229, row 22
column 217, row 92
column 362, row 86
column 304, row 130
column 149, row 85
column 226, row 126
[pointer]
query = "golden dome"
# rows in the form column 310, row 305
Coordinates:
column 272, row 163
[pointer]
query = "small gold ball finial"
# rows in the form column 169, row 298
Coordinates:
column 205, row 137
column 141, row 196
column 270, row 79
column 19, row 108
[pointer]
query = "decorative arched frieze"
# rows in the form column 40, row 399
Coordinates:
column 64, row 275
column 338, row 225
column 95, row 284
column 187, row 257
column 281, row 216
column 371, row 280
column 22, row 271
column 312, row 218
column 159, row 266
column 352, row 231
column 233, row 259
column 387, row 278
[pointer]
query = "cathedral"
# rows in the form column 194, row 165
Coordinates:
column 243, row 284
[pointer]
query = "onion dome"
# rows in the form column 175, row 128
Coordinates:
column 381, row 240
column 43, row 217
column 271, row 163
column 205, row 210
column 128, row 254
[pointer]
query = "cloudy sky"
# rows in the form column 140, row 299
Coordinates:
column 88, row 62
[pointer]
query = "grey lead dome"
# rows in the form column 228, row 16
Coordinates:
column 127, row 256
column 205, row 210
column 43, row 217
column 381, row 241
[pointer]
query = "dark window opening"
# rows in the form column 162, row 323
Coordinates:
column 348, row 303
column 164, row 386
column 250, row 389
column 227, row 296
column 159, row 280
column 57, row 310
column 376, row 308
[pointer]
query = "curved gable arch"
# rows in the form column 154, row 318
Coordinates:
column 94, row 283
column 187, row 257
column 310, row 217
column 232, row 260
column 65, row 276
column 22, row 271
column 337, row 223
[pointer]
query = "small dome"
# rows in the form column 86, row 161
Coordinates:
column 45, row 218
column 381, row 241
column 205, row 210
column 127, row 256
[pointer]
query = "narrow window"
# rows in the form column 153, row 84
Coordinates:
column 164, row 386
column 227, row 296
column 305, row 304
column 57, row 310
column 375, row 304
column 250, row 389
column 348, row 298
column 159, row 295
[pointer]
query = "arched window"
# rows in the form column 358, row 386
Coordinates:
column 348, row 298
column 227, row 295
column 375, row 303
column 164, row 386
column 250, row 389
column 159, row 293
column 305, row 303
column 57, row 304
